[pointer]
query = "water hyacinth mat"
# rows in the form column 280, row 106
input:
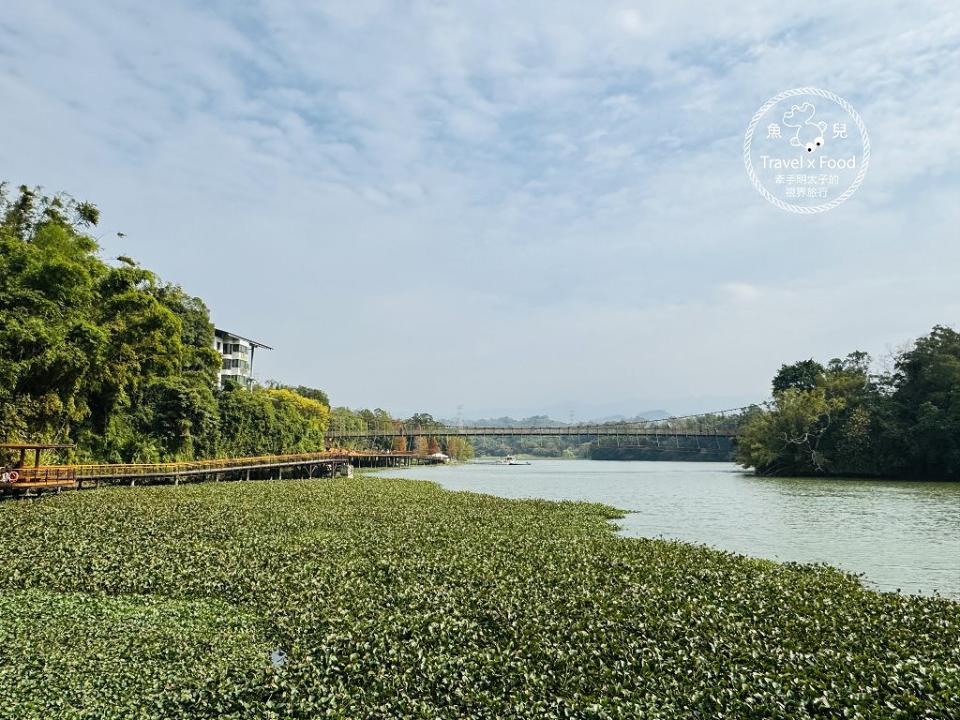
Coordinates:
column 376, row 598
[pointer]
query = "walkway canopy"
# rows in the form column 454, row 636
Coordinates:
column 36, row 447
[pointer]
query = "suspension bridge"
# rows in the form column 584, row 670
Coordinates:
column 716, row 424
column 672, row 433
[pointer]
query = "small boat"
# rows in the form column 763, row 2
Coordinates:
column 508, row 460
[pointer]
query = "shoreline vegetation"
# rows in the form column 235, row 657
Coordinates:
column 844, row 420
column 396, row 598
column 121, row 364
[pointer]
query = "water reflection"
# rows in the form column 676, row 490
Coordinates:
column 901, row 535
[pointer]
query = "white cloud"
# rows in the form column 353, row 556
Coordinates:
column 557, row 185
column 631, row 20
column 741, row 292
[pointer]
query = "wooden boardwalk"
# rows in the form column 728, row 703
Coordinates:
column 331, row 463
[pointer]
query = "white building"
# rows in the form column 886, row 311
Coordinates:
column 237, row 353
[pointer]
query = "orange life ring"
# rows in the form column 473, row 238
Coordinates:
column 14, row 476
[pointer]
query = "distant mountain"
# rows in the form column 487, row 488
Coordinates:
column 545, row 421
column 639, row 417
column 509, row 422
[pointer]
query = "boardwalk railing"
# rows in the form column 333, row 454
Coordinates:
column 65, row 476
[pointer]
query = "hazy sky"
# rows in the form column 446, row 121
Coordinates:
column 520, row 208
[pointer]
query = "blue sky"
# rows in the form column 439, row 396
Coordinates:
column 518, row 208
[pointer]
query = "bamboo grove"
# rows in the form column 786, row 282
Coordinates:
column 112, row 359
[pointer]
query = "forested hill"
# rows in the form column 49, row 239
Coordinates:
column 567, row 447
column 843, row 419
column 546, row 421
column 113, row 359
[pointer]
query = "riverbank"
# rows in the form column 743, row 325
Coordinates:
column 396, row 598
column 896, row 535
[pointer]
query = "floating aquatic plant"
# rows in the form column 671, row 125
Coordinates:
column 393, row 598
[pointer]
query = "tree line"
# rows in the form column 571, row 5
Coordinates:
column 110, row 358
column 346, row 421
column 122, row 365
column 843, row 419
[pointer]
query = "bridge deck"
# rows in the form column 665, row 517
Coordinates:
column 712, row 424
column 564, row 431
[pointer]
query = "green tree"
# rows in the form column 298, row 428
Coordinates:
column 786, row 440
column 116, row 361
column 274, row 421
column 851, row 422
column 803, row 375
column 346, row 422
column 307, row 392
column 926, row 404
column 459, row 447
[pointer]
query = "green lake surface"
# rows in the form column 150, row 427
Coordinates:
column 898, row 535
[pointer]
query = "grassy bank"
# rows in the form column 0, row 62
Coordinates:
column 395, row 598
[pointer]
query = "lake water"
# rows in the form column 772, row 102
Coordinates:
column 902, row 535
